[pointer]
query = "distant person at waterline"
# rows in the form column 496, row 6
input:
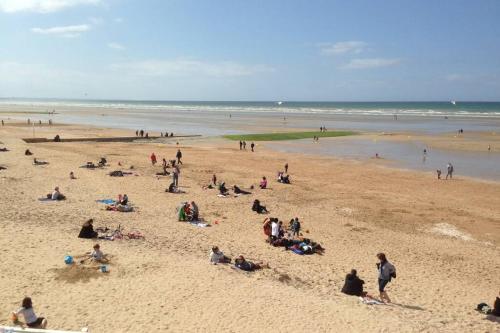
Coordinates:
column 449, row 173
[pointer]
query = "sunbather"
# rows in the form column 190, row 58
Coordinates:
column 217, row 257
column 238, row 190
column 56, row 195
column 257, row 207
column 248, row 266
column 87, row 230
column 37, row 162
column 29, row 315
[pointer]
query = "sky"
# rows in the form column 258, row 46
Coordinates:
column 268, row 50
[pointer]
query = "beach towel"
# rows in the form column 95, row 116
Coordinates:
column 370, row 301
column 297, row 251
column 106, row 201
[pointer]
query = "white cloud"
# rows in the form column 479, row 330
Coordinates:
column 354, row 47
column 371, row 63
column 187, row 67
column 64, row 31
column 41, row 6
column 116, row 46
column 118, row 20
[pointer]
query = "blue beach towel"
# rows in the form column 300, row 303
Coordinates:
column 106, row 201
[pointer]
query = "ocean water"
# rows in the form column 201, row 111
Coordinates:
column 216, row 118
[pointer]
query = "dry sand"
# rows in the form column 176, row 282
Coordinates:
column 443, row 237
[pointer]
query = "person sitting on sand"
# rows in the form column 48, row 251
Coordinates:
column 248, row 266
column 217, row 257
column 172, row 188
column 194, row 212
column 56, row 195
column 238, row 190
column 29, row 315
column 183, row 211
column 124, row 200
column 496, row 306
column 222, row 189
column 386, row 272
column 353, row 285
column 97, row 255
column 263, row 183
column 258, row 208
column 72, row 175
column 87, row 230
column 282, row 178
column 102, row 162
column 27, row 152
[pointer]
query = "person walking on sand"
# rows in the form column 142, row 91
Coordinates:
column 153, row 158
column 386, row 272
column 179, row 156
column 252, row 146
column 449, row 169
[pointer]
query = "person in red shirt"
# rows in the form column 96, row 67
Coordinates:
column 153, row 158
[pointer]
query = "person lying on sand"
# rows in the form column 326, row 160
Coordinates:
column 29, row 315
column 353, row 285
column 4, row 149
column 248, row 266
column 263, row 183
column 257, row 207
column 37, row 162
column 87, row 230
column 223, row 190
column 238, row 190
column 217, row 257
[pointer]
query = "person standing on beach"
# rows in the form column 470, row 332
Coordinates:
column 241, row 145
column 179, row 156
column 244, row 145
column 136, row 133
column 449, row 171
column 286, row 168
column 153, row 158
column 175, row 175
column 252, row 146
column 438, row 171
column 386, row 272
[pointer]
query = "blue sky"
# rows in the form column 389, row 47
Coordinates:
column 250, row 50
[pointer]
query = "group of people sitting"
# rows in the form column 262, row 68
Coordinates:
column 90, row 165
column 291, row 239
column 224, row 191
column 188, row 211
column 283, row 177
column 121, row 205
column 217, row 257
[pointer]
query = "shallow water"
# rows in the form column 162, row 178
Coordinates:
column 409, row 155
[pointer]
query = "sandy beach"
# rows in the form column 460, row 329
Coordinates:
column 442, row 236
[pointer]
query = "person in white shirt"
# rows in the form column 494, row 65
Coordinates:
column 275, row 230
column 29, row 315
column 98, row 255
column 218, row 257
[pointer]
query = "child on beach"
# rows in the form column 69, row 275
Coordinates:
column 97, row 255
column 438, row 171
column 449, row 169
column 29, row 315
column 248, row 266
column 217, row 257
column 263, row 183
